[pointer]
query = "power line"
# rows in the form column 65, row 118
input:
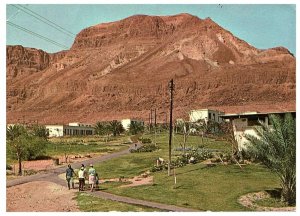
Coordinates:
column 44, row 20
column 37, row 35
column 14, row 15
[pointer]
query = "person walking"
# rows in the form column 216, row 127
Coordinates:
column 81, row 178
column 69, row 176
column 92, row 177
column 85, row 175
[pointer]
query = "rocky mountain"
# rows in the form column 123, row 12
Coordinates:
column 121, row 70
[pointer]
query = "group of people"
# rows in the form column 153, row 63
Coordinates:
column 82, row 174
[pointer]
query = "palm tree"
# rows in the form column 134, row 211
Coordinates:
column 40, row 131
column 275, row 147
column 101, row 128
column 115, row 127
column 16, row 143
column 185, row 128
column 136, row 127
column 23, row 144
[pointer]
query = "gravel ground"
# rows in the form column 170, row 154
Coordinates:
column 40, row 196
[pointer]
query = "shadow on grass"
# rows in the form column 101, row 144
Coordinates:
column 275, row 193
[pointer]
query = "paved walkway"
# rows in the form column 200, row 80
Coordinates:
column 52, row 176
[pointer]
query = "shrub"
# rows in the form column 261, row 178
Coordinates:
column 8, row 167
column 145, row 148
column 145, row 140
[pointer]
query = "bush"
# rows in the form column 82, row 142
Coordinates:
column 196, row 155
column 145, row 148
column 8, row 167
column 145, row 140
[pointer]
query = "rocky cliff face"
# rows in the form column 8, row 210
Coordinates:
column 121, row 70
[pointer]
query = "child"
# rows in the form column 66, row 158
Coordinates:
column 97, row 182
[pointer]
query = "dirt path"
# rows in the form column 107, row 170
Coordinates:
column 40, row 196
column 36, row 200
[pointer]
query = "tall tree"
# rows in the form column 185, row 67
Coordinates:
column 40, row 131
column 136, row 127
column 16, row 146
column 116, row 127
column 275, row 147
column 185, row 128
column 23, row 145
column 101, row 128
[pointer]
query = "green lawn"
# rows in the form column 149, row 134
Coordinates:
column 77, row 147
column 198, row 186
column 82, row 146
column 90, row 203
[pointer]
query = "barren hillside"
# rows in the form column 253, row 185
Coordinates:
column 122, row 69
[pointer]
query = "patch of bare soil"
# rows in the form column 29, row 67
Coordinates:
column 248, row 201
column 40, row 196
column 142, row 179
column 40, row 165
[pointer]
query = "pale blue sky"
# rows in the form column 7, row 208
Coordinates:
column 263, row 26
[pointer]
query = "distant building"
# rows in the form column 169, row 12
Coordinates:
column 206, row 115
column 73, row 129
column 126, row 123
column 243, row 123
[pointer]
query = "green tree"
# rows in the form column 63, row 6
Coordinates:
column 40, row 131
column 115, row 127
column 185, row 128
column 101, row 128
column 136, row 127
column 275, row 147
column 23, row 144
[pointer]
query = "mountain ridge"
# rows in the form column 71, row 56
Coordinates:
column 124, row 67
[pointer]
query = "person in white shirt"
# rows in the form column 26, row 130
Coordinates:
column 81, row 178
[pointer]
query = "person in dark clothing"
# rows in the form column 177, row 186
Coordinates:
column 69, row 176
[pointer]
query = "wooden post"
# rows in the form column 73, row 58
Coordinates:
column 171, row 88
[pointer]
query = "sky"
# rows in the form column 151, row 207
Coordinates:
column 261, row 25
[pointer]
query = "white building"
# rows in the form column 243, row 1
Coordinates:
column 73, row 129
column 126, row 123
column 206, row 114
column 243, row 123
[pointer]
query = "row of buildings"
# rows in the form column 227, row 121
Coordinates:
column 80, row 129
column 243, row 123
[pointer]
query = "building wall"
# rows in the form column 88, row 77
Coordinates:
column 126, row 123
column 66, row 130
column 206, row 114
column 55, row 130
column 240, row 129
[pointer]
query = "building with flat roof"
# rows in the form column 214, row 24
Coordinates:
column 126, row 123
column 206, row 114
column 244, row 123
column 73, row 129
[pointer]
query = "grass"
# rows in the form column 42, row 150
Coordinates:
column 204, row 188
column 81, row 146
column 198, row 186
column 85, row 145
column 271, row 202
column 90, row 203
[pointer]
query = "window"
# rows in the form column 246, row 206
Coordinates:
column 209, row 115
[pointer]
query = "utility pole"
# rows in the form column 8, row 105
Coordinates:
column 171, row 88
column 151, row 120
column 155, row 126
